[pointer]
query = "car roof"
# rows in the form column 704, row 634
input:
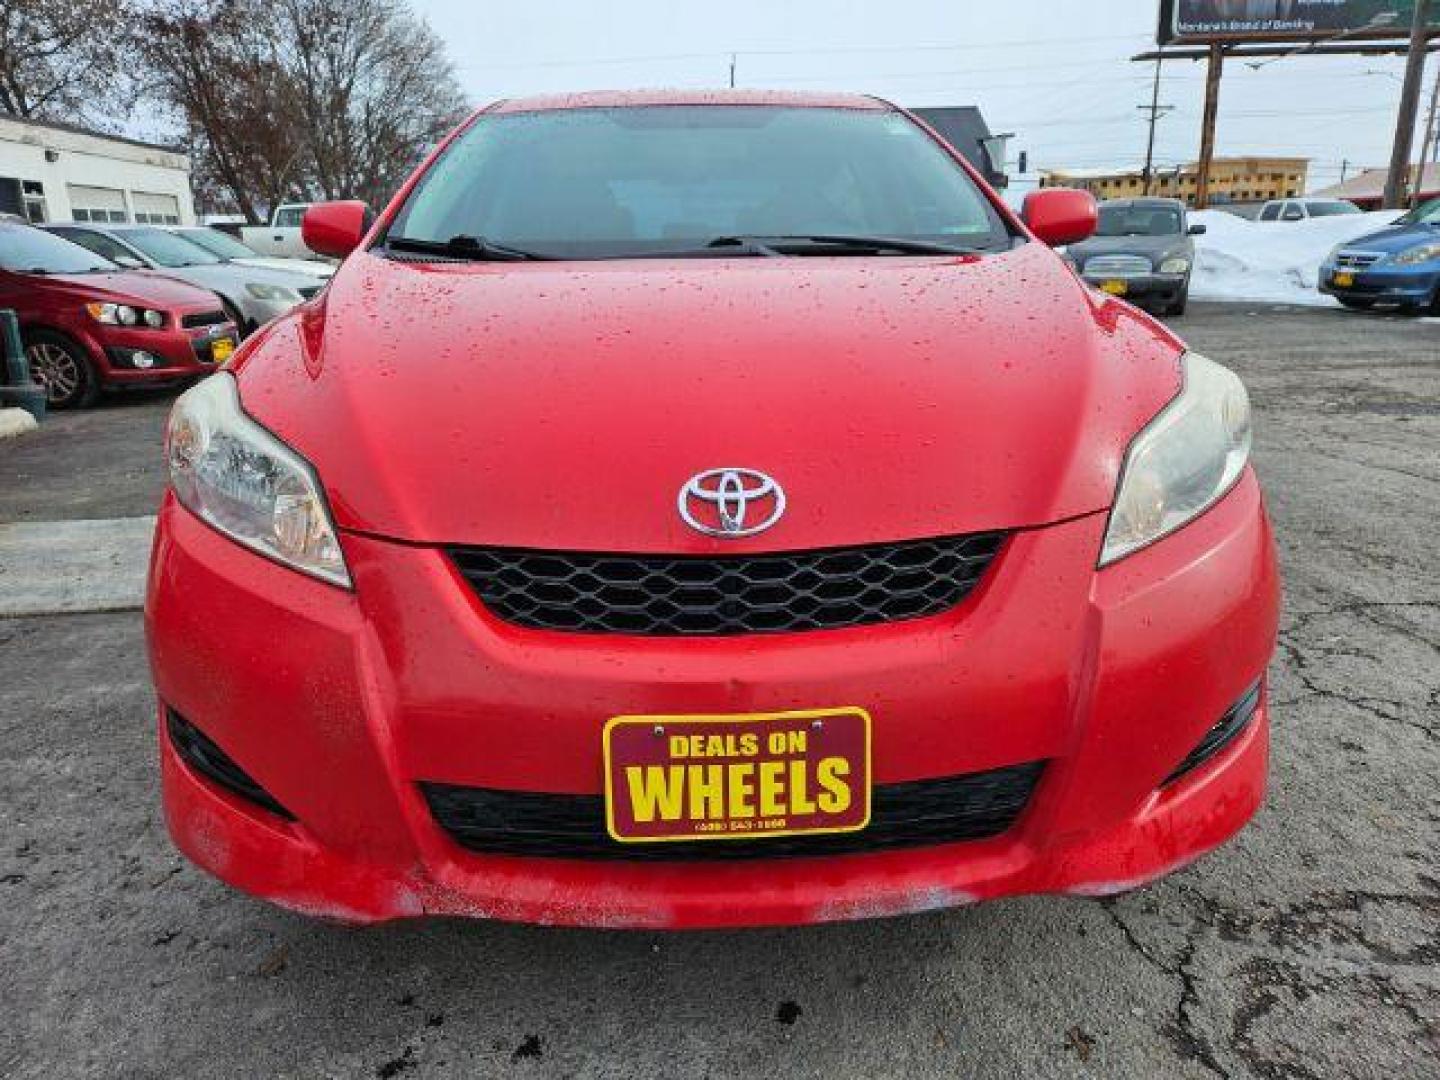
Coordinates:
column 623, row 99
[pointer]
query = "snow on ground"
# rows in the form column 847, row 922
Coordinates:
column 1270, row 262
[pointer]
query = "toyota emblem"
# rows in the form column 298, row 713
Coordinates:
column 731, row 503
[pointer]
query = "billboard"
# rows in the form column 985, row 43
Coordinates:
column 1190, row 21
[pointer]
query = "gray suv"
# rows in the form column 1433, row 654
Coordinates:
column 1142, row 251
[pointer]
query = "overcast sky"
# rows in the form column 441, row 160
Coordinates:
column 1055, row 72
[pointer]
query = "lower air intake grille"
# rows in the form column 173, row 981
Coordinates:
column 1220, row 736
column 748, row 594
column 915, row 814
column 207, row 759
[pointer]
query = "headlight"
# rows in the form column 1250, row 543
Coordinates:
column 272, row 292
column 1423, row 253
column 1183, row 462
column 1177, row 265
column 125, row 315
column 235, row 475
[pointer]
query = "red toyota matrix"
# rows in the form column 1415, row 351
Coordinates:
column 691, row 509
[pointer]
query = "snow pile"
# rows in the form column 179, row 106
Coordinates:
column 1270, row 262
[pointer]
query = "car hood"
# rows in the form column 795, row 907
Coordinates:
column 1395, row 239
column 1157, row 248
column 133, row 287
column 303, row 267
column 230, row 279
column 564, row 405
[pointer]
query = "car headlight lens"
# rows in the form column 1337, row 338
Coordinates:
column 272, row 292
column 125, row 315
column 1178, row 265
column 1423, row 253
column 1189, row 456
column 232, row 473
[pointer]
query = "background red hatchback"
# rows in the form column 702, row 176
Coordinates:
column 88, row 325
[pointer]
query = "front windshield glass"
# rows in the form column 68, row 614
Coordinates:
column 167, row 249
column 1332, row 209
column 604, row 182
column 1427, row 213
column 24, row 250
column 1138, row 221
column 217, row 243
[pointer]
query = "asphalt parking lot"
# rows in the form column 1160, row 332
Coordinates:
column 1310, row 947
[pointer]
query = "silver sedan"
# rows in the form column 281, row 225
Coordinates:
column 251, row 295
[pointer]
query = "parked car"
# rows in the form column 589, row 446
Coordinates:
column 1398, row 265
column 229, row 250
column 87, row 324
column 1142, row 250
column 1304, row 209
column 677, row 483
column 251, row 295
column 282, row 235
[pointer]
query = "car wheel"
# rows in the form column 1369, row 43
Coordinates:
column 1358, row 305
column 233, row 314
column 61, row 366
column 1176, row 307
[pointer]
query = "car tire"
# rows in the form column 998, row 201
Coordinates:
column 1176, row 307
column 233, row 314
column 61, row 366
column 1354, row 304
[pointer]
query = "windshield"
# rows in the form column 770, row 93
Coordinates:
column 1427, row 213
column 1138, row 221
column 604, row 182
column 1331, row 209
column 166, row 249
column 24, row 250
column 217, row 243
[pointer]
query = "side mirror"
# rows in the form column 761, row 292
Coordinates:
column 335, row 228
column 1060, row 215
column 1197, row 229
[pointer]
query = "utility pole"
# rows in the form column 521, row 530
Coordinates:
column 732, row 71
column 1397, row 182
column 1344, row 169
column 1156, row 110
column 1431, row 145
column 1213, row 69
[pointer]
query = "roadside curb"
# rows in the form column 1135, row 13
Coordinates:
column 73, row 567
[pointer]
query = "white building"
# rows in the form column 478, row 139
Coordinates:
column 58, row 172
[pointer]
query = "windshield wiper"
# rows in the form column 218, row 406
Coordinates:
column 779, row 243
column 463, row 246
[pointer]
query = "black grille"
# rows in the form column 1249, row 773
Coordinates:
column 749, row 594
column 204, row 318
column 202, row 755
column 919, row 813
column 1220, row 736
column 309, row 292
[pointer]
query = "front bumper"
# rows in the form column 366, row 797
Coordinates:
column 1144, row 288
column 176, row 353
column 340, row 704
column 1385, row 284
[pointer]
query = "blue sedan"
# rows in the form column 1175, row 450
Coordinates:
column 1398, row 265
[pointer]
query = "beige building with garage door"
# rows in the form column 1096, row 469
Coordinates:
column 57, row 172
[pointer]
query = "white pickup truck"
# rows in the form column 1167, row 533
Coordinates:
column 282, row 236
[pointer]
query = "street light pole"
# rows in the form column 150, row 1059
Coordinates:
column 1397, row 182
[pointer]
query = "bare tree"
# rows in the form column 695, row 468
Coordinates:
column 214, row 63
column 59, row 62
column 375, row 88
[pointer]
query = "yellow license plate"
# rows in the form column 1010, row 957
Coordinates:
column 221, row 349
column 1115, row 287
column 1343, row 279
column 745, row 776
